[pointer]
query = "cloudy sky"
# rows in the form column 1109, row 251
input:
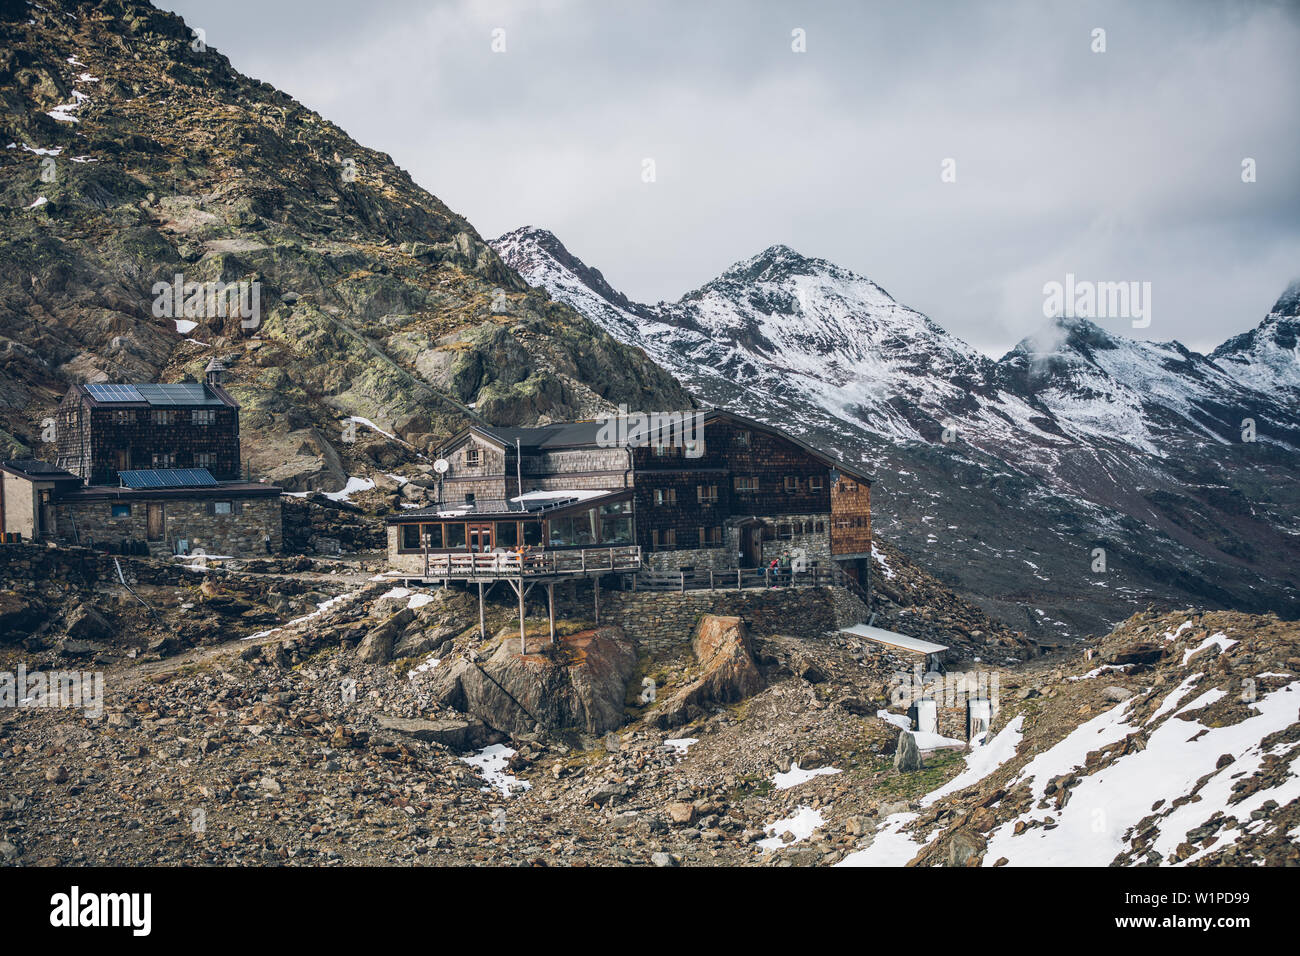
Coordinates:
column 1117, row 165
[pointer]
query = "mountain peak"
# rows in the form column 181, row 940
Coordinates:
column 1288, row 303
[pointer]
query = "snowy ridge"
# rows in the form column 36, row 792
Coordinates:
column 792, row 332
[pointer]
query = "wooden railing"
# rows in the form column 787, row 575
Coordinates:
column 499, row 564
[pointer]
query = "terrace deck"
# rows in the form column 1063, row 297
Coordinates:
column 487, row 567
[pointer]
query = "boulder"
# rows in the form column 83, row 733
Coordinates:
column 19, row 616
column 579, row 686
column 965, row 848
column 418, row 642
column 377, row 646
column 1142, row 655
column 450, row 732
column 907, row 757
column 722, row 646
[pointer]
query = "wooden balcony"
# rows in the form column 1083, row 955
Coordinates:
column 540, row 565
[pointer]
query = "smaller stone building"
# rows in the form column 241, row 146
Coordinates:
column 234, row 518
column 28, row 488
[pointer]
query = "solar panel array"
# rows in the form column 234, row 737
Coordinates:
column 168, row 478
column 101, row 392
column 185, row 393
column 178, row 394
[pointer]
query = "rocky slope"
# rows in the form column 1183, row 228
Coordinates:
column 1178, row 743
column 314, row 727
column 130, row 153
column 1005, row 476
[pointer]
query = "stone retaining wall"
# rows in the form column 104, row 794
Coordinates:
column 660, row 620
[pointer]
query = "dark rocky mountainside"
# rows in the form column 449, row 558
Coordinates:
column 130, row 153
column 1007, row 478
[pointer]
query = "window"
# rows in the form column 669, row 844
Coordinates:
column 532, row 533
column 785, row 532
column 815, row 483
column 203, row 416
column 574, row 529
column 162, row 416
column 410, row 537
column 707, row 494
column 433, row 536
column 223, row 507
column 453, row 536
column 819, row 527
column 661, row 450
column 847, row 486
column 694, row 449
column 746, row 484
column 665, row 496
column 469, row 498
column 711, row 537
column 473, row 457
column 616, row 529
column 204, row 459
column 121, row 511
column 791, row 484
column 507, row 534
column 164, row 459
column 122, row 416
column 664, row 540
column 742, row 439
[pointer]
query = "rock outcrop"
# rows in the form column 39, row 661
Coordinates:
column 722, row 647
column 578, row 685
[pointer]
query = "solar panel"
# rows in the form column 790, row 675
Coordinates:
column 167, row 478
column 184, row 393
column 104, row 392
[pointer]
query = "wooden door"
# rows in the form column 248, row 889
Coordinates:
column 155, row 521
column 480, row 537
column 751, row 545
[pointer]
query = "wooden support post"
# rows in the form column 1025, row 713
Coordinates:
column 595, row 585
column 710, row 579
column 550, row 600
column 523, row 639
column 740, row 584
column 683, row 575
column 482, row 626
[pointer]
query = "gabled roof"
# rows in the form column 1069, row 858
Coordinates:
column 586, row 434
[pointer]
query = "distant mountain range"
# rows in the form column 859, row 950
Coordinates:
column 1004, row 476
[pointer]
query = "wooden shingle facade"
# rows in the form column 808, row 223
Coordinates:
column 724, row 492
column 102, row 430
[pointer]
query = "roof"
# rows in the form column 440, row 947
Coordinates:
column 222, row 489
column 881, row 636
column 37, row 469
column 588, row 434
column 167, row 478
column 175, row 395
column 532, row 504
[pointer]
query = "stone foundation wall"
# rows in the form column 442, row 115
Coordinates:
column 84, row 568
column 702, row 559
column 660, row 620
column 238, row 535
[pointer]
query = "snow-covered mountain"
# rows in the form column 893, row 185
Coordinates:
column 1076, row 437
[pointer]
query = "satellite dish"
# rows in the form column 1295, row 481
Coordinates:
column 441, row 466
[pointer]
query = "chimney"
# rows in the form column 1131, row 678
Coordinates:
column 216, row 372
